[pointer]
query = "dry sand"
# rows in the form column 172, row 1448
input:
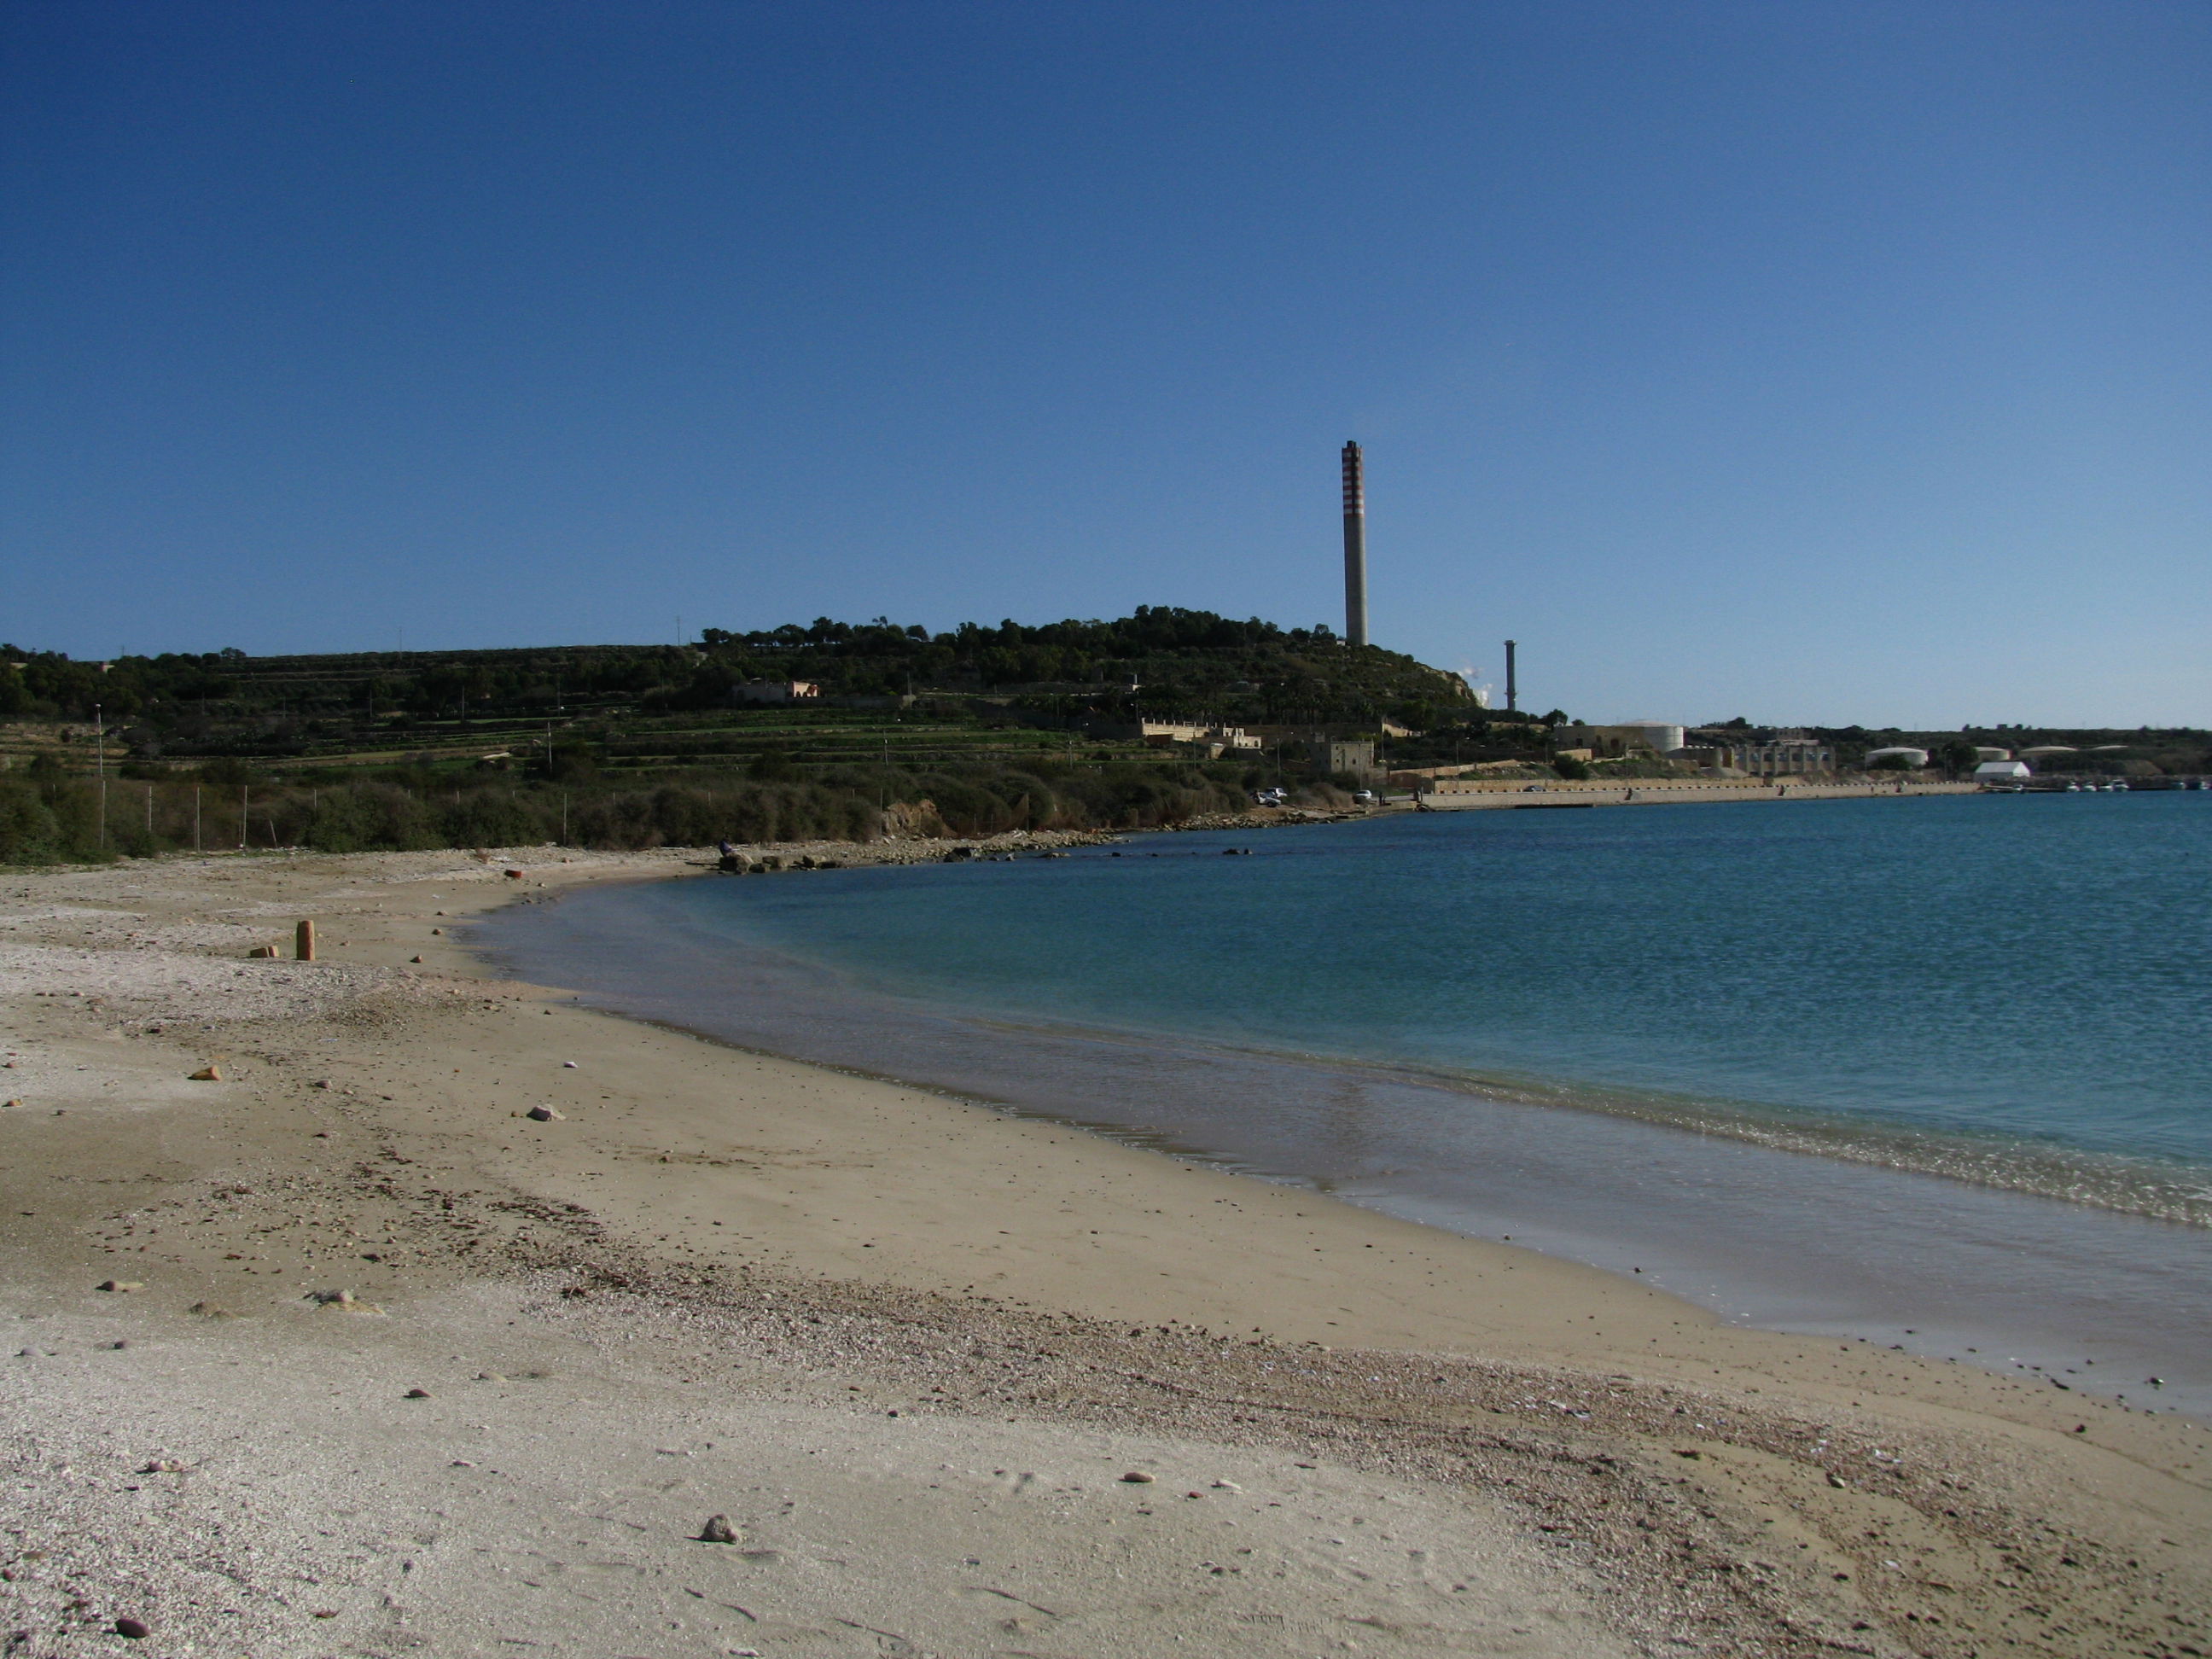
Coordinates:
column 908, row 1345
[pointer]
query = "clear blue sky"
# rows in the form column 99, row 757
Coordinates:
column 1808, row 360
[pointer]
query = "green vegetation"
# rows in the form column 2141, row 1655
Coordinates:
column 968, row 732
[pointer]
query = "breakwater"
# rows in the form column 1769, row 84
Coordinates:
column 1473, row 794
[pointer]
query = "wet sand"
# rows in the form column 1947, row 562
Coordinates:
column 907, row 1344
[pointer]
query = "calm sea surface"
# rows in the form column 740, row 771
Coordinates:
column 1941, row 1066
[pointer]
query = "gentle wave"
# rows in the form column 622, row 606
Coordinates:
column 2156, row 1191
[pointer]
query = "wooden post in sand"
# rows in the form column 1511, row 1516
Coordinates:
column 303, row 942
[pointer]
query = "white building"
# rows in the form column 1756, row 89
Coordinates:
column 2002, row 771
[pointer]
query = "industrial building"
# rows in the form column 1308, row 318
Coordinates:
column 1616, row 741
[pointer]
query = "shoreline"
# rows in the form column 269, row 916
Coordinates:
column 970, row 1267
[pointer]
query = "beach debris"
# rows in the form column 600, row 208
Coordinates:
column 512, row 875
column 209, row 1311
column 322, row 1082
column 162, row 1466
column 417, row 1393
column 120, row 1342
column 210, row 1073
column 1138, row 1478
column 343, row 1301
column 10, row 1105
column 137, row 1629
column 1836, row 1480
column 544, row 1114
column 567, row 1065
column 718, row 1530
column 262, row 953
column 1227, row 1486
column 414, row 958
column 121, row 1285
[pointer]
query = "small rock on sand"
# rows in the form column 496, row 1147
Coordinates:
column 1138, row 1478
column 544, row 1114
column 206, row 1075
column 718, row 1530
column 417, row 1393
column 137, row 1629
column 121, row 1285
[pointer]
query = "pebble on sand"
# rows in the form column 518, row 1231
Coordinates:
column 121, row 1285
column 417, row 1393
column 544, row 1114
column 206, row 1075
column 137, row 1629
column 718, row 1530
column 1138, row 1478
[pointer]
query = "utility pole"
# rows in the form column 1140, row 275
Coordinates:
column 99, row 763
column 195, row 817
column 245, row 805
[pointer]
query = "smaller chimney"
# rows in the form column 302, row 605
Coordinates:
column 1512, row 691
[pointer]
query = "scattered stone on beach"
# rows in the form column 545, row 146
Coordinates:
column 414, row 958
column 1836, row 1480
column 512, row 875
column 322, row 1082
column 10, row 1105
column 544, row 1114
column 120, row 1342
column 261, row 953
column 121, row 1285
column 718, row 1530
column 1138, row 1478
column 135, row 1629
column 206, row 1075
column 417, row 1393
column 209, row 1311
column 162, row 1466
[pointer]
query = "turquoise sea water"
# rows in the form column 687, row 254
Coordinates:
column 1888, row 1065
column 2033, row 974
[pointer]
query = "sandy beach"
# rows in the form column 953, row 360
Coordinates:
column 340, row 1351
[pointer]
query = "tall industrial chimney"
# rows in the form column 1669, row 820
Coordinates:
column 1355, row 547
column 1512, row 691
